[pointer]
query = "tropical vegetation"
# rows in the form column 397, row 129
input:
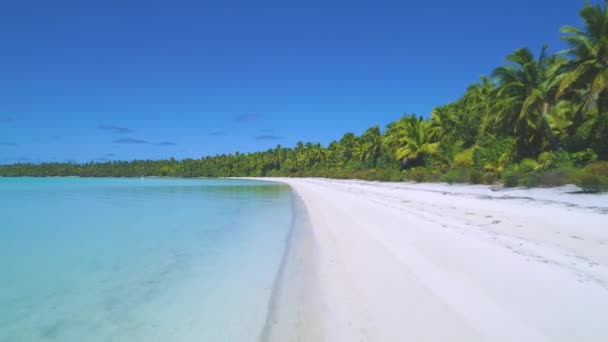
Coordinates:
column 538, row 120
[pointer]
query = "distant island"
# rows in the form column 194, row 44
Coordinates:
column 539, row 120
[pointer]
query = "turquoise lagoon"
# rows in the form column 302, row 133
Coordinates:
column 85, row 259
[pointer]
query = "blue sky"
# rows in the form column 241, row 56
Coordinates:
column 97, row 80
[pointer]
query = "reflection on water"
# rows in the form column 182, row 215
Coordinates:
column 130, row 259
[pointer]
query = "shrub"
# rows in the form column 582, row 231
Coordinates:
column 433, row 176
column 551, row 178
column 422, row 174
column 389, row 174
column 392, row 174
column 433, row 162
column 388, row 161
column 580, row 139
column 457, row 175
column 593, row 178
column 593, row 134
column 494, row 154
column 561, row 158
column 489, row 178
column 545, row 158
column 583, row 158
column 528, row 165
column 464, row 158
column 415, row 174
column 476, row 177
column 599, row 136
column 512, row 177
column 591, row 183
column 554, row 160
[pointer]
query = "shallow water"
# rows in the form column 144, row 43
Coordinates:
column 139, row 260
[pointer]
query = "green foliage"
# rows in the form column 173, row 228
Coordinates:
column 422, row 174
column 541, row 120
column 495, row 154
column 591, row 134
column 489, row 178
column 466, row 175
column 593, row 178
column 557, row 159
column 457, row 175
column 526, row 98
column 394, row 175
column 598, row 136
column 528, row 165
column 512, row 177
column 560, row 159
column 545, row 159
column 551, row 178
column 589, row 50
column 476, row 177
column 580, row 137
column 464, row 158
column 416, row 140
column 583, row 158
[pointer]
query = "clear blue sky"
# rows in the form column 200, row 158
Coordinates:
column 96, row 80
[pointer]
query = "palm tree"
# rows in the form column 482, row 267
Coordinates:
column 589, row 48
column 561, row 117
column 479, row 98
column 315, row 153
column 526, row 95
column 393, row 132
column 333, row 154
column 444, row 122
column 416, row 140
column 369, row 147
column 346, row 145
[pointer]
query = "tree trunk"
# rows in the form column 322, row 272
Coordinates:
column 552, row 138
column 602, row 99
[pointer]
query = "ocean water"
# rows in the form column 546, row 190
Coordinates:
column 85, row 259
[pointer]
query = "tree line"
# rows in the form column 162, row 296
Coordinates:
column 537, row 120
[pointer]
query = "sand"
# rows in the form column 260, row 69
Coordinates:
column 433, row 262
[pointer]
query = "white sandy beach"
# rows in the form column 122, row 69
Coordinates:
column 432, row 262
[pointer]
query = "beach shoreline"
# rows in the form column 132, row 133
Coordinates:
column 295, row 301
column 433, row 262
